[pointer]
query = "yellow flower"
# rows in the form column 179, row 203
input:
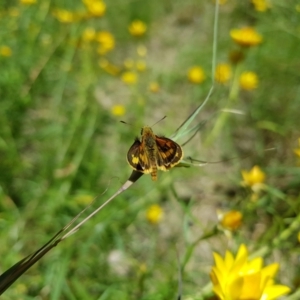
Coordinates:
column 154, row 214
column 254, row 178
column 64, row 171
column 238, row 278
column 221, row 2
column 142, row 268
column 196, row 74
column 21, row 289
column 118, row 110
column 129, row 78
column 141, row 65
column 231, row 220
column 154, row 87
column 106, row 42
column 89, row 34
column 141, row 101
column 64, row 16
column 46, row 39
column 128, row 63
column 108, row 67
column 96, row 8
column 246, row 36
column 5, row 51
column 13, row 12
column 28, row 2
column 223, row 73
column 260, row 5
column 297, row 150
column 83, row 199
column 137, row 28
column 141, row 51
column 248, row 81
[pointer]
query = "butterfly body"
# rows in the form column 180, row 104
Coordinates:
column 153, row 153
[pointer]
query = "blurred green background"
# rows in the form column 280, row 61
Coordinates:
column 71, row 70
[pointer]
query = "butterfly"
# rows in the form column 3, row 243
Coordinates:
column 153, row 153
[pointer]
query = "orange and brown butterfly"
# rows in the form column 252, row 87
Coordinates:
column 153, row 153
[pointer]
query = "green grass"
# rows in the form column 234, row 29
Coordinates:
column 60, row 146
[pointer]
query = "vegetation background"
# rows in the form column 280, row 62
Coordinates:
column 64, row 88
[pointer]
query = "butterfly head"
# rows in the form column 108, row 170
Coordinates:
column 146, row 131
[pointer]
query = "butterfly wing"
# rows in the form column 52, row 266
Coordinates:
column 169, row 153
column 138, row 159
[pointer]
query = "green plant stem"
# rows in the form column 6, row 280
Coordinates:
column 284, row 235
column 215, row 42
column 294, row 296
column 232, row 98
column 192, row 246
column 90, row 129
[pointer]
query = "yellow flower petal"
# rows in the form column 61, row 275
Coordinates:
column 251, row 286
column 229, row 260
column 141, row 65
column 28, row 2
column 128, row 63
column 242, row 252
column 223, row 73
column 154, row 214
column 238, row 265
column 141, row 51
column 297, row 151
column 65, row 16
column 254, row 176
column 232, row 220
column 83, row 199
column 5, row 51
column 218, row 279
column 118, row 110
column 109, row 67
column 129, row 78
column 13, row 12
column 196, row 74
column 219, row 262
column 221, row 2
column 248, row 81
column 137, row 28
column 271, row 270
column 261, row 5
column 154, row 87
column 96, row 8
column 246, row 36
column 89, row 34
column 106, row 42
column 234, row 289
column 254, row 265
column 219, row 292
column 275, row 291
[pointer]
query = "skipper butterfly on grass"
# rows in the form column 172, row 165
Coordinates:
column 153, row 153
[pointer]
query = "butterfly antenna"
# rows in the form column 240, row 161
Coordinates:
column 193, row 160
column 125, row 123
column 159, row 120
